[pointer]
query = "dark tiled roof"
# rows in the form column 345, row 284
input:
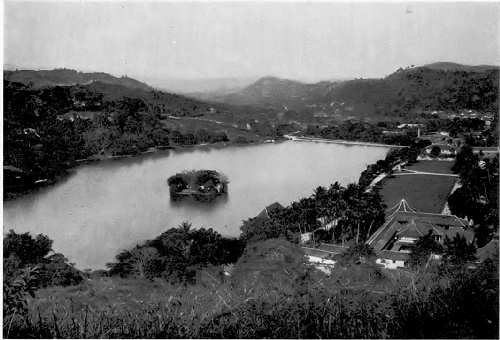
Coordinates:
column 332, row 247
column 490, row 149
column 411, row 230
column 393, row 255
column 318, row 252
column 270, row 209
column 420, row 223
column 422, row 227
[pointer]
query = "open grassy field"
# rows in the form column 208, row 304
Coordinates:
column 424, row 193
column 442, row 167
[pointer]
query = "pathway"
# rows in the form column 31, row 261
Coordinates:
column 339, row 141
column 415, row 172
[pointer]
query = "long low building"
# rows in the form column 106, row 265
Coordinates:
column 485, row 149
column 394, row 240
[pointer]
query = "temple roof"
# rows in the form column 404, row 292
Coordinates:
column 269, row 210
column 406, row 222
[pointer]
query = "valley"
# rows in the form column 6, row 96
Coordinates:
column 338, row 159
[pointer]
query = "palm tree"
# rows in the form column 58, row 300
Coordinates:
column 185, row 227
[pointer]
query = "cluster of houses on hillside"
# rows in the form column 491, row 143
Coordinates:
column 394, row 240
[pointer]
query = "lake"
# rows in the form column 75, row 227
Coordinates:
column 104, row 207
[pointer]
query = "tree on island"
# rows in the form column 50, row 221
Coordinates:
column 203, row 185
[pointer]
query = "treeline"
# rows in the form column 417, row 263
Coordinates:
column 355, row 212
column 455, row 126
column 477, row 198
column 41, row 142
column 406, row 155
column 37, row 145
column 363, row 132
column 474, row 130
column 128, row 127
column 177, row 254
column 29, row 264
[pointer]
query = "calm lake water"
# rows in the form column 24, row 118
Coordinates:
column 107, row 206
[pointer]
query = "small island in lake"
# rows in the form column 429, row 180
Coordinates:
column 202, row 185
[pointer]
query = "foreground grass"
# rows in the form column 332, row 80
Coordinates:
column 272, row 293
column 114, row 307
column 135, row 309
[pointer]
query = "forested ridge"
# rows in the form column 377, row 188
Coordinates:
column 46, row 130
column 60, row 77
column 402, row 93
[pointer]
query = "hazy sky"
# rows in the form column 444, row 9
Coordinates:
column 206, row 40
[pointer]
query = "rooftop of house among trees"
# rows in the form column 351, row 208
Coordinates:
column 404, row 226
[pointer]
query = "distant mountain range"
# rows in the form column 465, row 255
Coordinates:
column 200, row 85
column 67, row 77
column 112, row 89
column 435, row 86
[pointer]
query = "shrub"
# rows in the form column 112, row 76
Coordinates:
column 177, row 254
column 435, row 151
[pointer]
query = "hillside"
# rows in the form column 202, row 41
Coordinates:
column 109, row 88
column 439, row 86
column 278, row 93
column 66, row 77
column 448, row 66
column 48, row 129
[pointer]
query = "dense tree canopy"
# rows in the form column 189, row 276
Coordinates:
column 177, row 254
column 477, row 198
column 355, row 212
column 45, row 134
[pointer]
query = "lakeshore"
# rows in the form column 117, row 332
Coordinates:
column 105, row 158
column 339, row 141
column 167, row 148
column 126, row 200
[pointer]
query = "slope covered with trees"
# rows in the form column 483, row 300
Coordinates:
column 406, row 91
column 66, row 77
column 48, row 129
column 477, row 198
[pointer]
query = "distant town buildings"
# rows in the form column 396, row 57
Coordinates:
column 446, row 150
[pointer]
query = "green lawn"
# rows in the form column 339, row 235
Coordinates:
column 424, row 193
column 442, row 167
